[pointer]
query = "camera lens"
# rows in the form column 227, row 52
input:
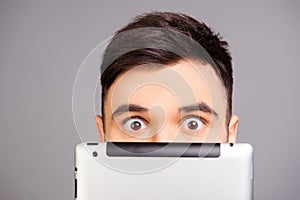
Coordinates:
column 95, row 154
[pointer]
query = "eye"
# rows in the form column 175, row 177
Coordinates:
column 134, row 124
column 192, row 123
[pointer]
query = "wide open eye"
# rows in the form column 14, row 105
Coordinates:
column 134, row 124
column 192, row 123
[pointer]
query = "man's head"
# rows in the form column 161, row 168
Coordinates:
column 157, row 85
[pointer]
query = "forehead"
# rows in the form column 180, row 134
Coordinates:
column 186, row 82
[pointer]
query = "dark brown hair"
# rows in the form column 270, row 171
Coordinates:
column 120, row 56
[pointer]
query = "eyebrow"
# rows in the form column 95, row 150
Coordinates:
column 199, row 107
column 124, row 108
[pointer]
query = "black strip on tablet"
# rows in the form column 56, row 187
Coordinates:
column 155, row 149
column 75, row 188
column 92, row 143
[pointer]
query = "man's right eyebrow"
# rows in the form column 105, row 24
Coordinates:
column 124, row 108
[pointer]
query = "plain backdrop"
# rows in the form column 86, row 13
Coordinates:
column 43, row 43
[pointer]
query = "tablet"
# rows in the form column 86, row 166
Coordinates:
column 133, row 170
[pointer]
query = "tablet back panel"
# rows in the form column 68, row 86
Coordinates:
column 219, row 172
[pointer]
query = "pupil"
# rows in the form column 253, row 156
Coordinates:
column 193, row 125
column 135, row 125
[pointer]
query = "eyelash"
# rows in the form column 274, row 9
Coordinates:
column 205, row 122
column 134, row 117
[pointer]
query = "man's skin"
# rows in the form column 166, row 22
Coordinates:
column 183, row 102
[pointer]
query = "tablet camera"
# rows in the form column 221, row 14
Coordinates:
column 95, row 154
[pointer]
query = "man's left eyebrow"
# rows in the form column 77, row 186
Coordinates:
column 199, row 107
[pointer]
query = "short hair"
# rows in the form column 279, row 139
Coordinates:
column 113, row 66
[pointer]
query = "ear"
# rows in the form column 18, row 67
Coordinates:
column 233, row 124
column 99, row 122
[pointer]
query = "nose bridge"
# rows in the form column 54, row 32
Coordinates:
column 163, row 124
column 166, row 134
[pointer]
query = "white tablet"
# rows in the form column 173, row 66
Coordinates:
column 129, row 170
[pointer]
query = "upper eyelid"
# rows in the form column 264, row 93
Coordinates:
column 134, row 117
column 205, row 122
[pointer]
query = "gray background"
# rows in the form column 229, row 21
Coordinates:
column 43, row 43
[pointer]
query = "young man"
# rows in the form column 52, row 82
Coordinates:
column 167, row 78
